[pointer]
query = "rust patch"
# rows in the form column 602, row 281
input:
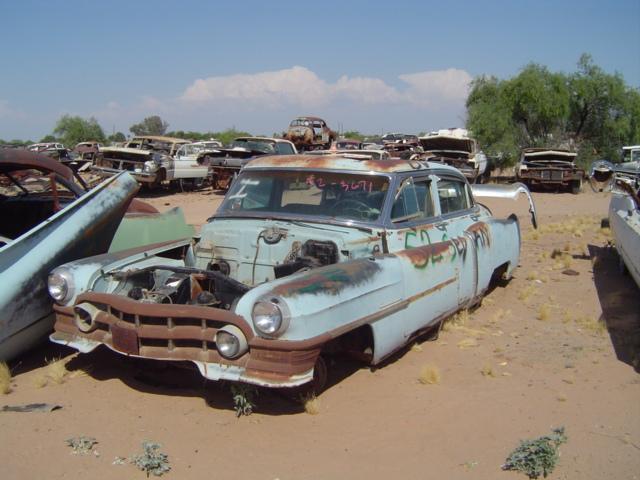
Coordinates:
column 125, row 339
column 420, row 256
column 480, row 233
column 331, row 279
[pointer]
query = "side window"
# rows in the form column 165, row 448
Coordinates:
column 453, row 196
column 284, row 148
column 413, row 201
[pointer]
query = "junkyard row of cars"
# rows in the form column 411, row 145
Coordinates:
column 344, row 250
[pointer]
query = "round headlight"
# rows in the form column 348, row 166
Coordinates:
column 230, row 342
column 60, row 285
column 268, row 318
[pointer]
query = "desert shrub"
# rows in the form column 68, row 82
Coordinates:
column 243, row 398
column 152, row 460
column 537, row 457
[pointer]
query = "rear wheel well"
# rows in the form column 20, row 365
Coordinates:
column 499, row 277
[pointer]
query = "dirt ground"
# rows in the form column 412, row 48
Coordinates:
column 558, row 345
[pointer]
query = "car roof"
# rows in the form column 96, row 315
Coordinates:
column 160, row 138
column 270, row 139
column 12, row 159
column 309, row 118
column 343, row 162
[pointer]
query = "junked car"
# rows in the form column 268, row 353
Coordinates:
column 454, row 146
column 362, row 154
column 550, row 168
column 49, row 218
column 226, row 163
column 310, row 133
column 150, row 159
column 604, row 173
column 624, row 219
column 306, row 257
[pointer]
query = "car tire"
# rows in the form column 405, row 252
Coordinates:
column 576, row 186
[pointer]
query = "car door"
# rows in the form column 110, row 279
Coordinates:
column 420, row 240
column 470, row 235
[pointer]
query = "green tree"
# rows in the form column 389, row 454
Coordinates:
column 599, row 120
column 354, row 134
column 590, row 111
column 153, row 125
column 117, row 137
column 49, row 139
column 489, row 118
column 71, row 130
column 539, row 103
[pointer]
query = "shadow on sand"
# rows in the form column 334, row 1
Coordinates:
column 619, row 298
column 182, row 379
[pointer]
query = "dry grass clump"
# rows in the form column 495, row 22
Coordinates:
column 55, row 372
column 526, row 293
column 416, row 348
column 499, row 315
column 592, row 324
column 5, row 378
column 429, row 375
column 533, row 235
column 566, row 316
column 311, row 404
column 456, row 321
column 467, row 343
column 533, row 275
column 544, row 312
column 487, row 371
column 561, row 397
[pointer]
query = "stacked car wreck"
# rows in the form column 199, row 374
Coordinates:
column 454, row 146
column 49, row 217
column 306, row 256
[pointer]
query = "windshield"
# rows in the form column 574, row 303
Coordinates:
column 631, row 155
column 254, row 146
column 29, row 181
column 321, row 194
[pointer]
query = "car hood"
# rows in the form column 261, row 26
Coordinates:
column 243, row 242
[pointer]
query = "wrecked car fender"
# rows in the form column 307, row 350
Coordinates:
column 511, row 192
column 78, row 230
column 332, row 299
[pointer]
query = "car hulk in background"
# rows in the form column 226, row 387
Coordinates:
column 310, row 133
column 306, row 257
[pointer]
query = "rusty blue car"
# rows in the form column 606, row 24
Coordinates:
column 306, row 257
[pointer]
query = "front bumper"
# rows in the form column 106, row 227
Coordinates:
column 186, row 333
column 549, row 176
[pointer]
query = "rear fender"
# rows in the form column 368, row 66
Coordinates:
column 511, row 192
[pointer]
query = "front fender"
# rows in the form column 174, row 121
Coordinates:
column 333, row 299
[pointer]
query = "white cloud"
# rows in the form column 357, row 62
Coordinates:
column 427, row 88
column 299, row 86
column 296, row 85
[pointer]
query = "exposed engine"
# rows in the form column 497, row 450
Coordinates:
column 182, row 285
column 312, row 254
column 212, row 286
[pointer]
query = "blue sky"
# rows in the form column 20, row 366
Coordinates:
column 368, row 66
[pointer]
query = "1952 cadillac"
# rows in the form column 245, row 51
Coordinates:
column 306, row 256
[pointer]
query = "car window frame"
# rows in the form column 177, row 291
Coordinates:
column 416, row 220
column 468, row 195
